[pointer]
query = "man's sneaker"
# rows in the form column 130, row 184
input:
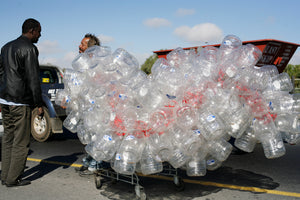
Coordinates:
column 2, row 182
column 19, row 182
column 93, row 166
column 81, row 169
column 86, row 173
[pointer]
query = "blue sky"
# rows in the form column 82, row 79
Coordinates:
column 142, row 27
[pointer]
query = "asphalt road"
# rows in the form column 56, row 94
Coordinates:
column 50, row 167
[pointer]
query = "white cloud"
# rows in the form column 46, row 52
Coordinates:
column 48, row 60
column 295, row 60
column 157, row 22
column 141, row 57
column 48, row 47
column 65, row 61
column 200, row 33
column 104, row 39
column 183, row 12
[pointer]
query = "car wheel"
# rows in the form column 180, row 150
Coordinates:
column 40, row 126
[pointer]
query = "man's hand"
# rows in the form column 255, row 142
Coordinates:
column 40, row 111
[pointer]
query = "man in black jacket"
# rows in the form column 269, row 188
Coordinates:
column 20, row 91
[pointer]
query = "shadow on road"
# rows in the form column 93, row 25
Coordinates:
column 157, row 189
column 44, row 167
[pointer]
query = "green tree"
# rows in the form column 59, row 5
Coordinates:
column 294, row 73
column 293, row 70
column 146, row 67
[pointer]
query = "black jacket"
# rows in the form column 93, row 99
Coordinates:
column 20, row 72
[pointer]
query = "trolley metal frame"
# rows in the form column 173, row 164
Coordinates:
column 134, row 179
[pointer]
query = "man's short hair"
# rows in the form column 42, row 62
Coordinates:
column 93, row 40
column 30, row 24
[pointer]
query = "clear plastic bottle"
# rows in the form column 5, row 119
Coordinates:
column 186, row 116
column 212, row 163
column 72, row 121
column 230, row 49
column 288, row 122
column 126, row 63
column 250, row 54
column 161, row 118
column 150, row 163
column 84, row 135
column 247, row 141
column 212, row 123
column 197, row 165
column 105, row 145
column 162, row 145
column 219, row 149
column 81, row 62
column 128, row 154
column 291, row 138
column 282, row 82
column 269, row 136
column 179, row 155
column 238, row 121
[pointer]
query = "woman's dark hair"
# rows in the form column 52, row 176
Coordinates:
column 30, row 24
column 93, row 40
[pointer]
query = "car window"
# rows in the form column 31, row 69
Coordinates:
column 47, row 76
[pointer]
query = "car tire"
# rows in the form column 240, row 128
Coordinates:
column 40, row 126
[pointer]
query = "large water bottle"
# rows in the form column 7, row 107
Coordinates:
column 135, row 81
column 258, row 79
column 180, row 58
column 291, row 138
column 250, row 54
column 269, row 136
column 219, row 149
column 104, row 146
column 288, row 122
column 247, row 141
column 186, row 116
column 197, row 165
column 162, row 144
column 278, row 101
column 212, row 163
column 72, row 121
column 150, row 96
column 205, row 64
column 213, row 125
column 126, row 63
column 256, row 102
column 160, row 119
column 282, row 82
column 128, row 154
column 62, row 98
column 169, row 82
column 229, row 49
column 180, row 154
column 150, row 162
column 81, row 62
column 238, row 121
column 84, row 135
column 97, row 56
column 193, row 95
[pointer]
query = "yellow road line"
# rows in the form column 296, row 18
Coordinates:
column 206, row 183
column 54, row 162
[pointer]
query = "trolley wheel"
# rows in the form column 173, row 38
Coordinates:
column 113, row 177
column 179, row 183
column 140, row 193
column 98, row 181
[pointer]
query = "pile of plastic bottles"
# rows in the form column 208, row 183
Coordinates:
column 184, row 113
